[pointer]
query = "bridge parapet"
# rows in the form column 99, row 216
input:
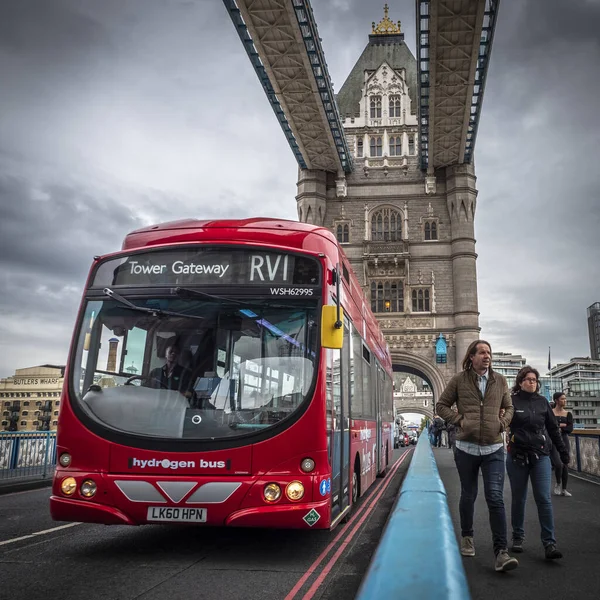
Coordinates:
column 420, row 521
column 585, row 451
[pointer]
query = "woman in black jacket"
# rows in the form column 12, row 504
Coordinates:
column 564, row 418
column 528, row 458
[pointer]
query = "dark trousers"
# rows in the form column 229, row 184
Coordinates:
column 437, row 437
column 492, row 469
column 539, row 471
column 561, row 471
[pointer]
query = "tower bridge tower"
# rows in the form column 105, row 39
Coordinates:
column 408, row 235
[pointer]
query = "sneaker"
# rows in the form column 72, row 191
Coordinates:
column 566, row 493
column 552, row 552
column 517, row 546
column 504, row 562
column 557, row 490
column 467, row 548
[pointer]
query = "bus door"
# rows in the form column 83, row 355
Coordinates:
column 334, row 406
column 378, row 408
column 345, row 371
column 339, row 436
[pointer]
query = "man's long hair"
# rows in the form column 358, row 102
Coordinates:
column 467, row 363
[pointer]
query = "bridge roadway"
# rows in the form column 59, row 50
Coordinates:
column 577, row 523
column 168, row 562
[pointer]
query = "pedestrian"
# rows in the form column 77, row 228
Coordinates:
column 479, row 395
column 438, row 427
column 430, row 431
column 564, row 418
column 451, row 429
column 528, row 459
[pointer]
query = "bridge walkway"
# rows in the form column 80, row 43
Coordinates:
column 577, row 523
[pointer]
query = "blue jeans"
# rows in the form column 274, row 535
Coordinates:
column 492, row 469
column 540, row 472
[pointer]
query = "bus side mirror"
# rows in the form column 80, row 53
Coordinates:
column 332, row 336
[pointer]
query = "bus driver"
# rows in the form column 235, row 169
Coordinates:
column 172, row 376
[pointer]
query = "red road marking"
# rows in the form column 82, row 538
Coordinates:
column 365, row 511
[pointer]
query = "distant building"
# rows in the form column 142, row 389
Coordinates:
column 30, row 399
column 508, row 364
column 412, row 395
column 580, row 379
column 593, row 316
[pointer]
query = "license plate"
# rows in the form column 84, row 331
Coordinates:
column 177, row 514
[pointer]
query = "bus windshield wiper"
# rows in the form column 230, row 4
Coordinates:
column 156, row 312
column 187, row 292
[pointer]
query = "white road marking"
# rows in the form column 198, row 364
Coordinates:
column 35, row 534
column 47, row 489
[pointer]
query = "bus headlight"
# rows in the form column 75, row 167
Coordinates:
column 68, row 486
column 65, row 459
column 88, row 488
column 294, row 490
column 307, row 465
column 272, row 492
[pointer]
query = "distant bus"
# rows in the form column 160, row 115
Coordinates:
column 225, row 373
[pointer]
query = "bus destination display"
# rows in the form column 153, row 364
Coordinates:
column 214, row 266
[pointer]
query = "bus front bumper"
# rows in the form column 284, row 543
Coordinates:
column 69, row 509
column 311, row 515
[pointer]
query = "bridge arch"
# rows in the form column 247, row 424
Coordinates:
column 405, row 362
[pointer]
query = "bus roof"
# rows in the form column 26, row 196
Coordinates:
column 159, row 233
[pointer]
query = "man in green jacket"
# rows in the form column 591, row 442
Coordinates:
column 483, row 412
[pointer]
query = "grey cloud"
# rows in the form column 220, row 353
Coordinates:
column 121, row 112
column 538, row 208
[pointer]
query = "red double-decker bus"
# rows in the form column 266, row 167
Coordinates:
column 224, row 373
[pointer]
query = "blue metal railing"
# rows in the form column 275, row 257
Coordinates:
column 314, row 50
column 240, row 26
column 27, row 455
column 312, row 43
column 585, row 451
column 420, row 521
column 483, row 57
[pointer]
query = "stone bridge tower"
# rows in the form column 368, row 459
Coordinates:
column 408, row 236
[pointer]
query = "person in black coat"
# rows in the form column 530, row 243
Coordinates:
column 564, row 418
column 528, row 458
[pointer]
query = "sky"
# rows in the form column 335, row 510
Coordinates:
column 116, row 114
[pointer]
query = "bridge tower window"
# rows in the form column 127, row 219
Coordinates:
column 359, row 148
column 343, row 233
column 411, row 145
column 387, row 296
column 394, row 106
column 431, row 232
column 420, row 300
column 396, row 146
column 376, row 146
column 375, row 105
column 386, row 226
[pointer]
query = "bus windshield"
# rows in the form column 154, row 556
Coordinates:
column 193, row 366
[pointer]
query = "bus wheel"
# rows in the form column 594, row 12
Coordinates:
column 356, row 482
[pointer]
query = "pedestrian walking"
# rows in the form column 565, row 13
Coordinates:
column 528, row 459
column 479, row 395
column 564, row 418
column 451, row 429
